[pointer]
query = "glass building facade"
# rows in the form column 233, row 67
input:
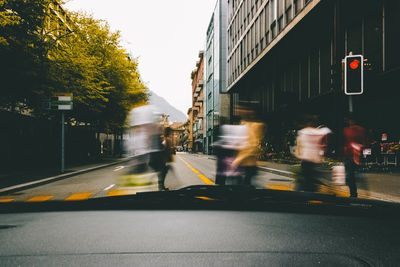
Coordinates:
column 215, row 72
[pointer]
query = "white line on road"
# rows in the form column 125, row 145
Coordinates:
column 266, row 168
column 119, row 168
column 108, row 187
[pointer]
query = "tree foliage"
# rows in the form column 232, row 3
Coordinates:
column 85, row 58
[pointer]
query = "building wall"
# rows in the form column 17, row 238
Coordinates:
column 289, row 58
column 215, row 73
column 190, row 129
column 198, row 104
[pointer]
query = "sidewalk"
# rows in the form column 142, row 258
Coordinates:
column 15, row 178
column 382, row 186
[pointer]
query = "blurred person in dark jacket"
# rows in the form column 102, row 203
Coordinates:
column 354, row 140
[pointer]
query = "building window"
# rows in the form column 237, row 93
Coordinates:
column 280, row 24
column 297, row 6
column 392, row 33
column 273, row 30
column 288, row 14
column 273, row 9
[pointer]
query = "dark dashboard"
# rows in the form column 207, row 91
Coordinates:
column 198, row 237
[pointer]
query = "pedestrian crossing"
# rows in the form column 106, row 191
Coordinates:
column 117, row 192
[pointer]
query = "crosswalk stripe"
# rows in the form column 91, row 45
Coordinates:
column 4, row 200
column 117, row 193
column 39, row 198
column 79, row 196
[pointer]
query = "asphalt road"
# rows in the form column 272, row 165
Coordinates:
column 187, row 169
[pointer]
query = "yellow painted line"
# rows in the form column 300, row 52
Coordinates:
column 201, row 176
column 205, row 179
column 279, row 187
column 205, row 198
column 79, row 196
column 117, row 193
column 325, row 189
column 4, row 200
column 39, row 198
column 315, row 201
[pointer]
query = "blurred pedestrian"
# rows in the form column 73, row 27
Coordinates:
column 231, row 140
column 247, row 155
column 354, row 140
column 311, row 147
column 168, row 151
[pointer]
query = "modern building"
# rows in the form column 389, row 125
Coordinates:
column 287, row 55
column 197, row 104
column 57, row 23
column 217, row 101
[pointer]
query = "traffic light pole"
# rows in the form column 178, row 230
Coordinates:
column 62, row 141
column 350, row 103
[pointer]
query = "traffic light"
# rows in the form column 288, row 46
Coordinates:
column 354, row 75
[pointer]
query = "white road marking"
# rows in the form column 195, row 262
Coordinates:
column 119, row 168
column 108, row 187
column 266, row 168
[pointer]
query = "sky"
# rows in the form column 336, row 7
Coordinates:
column 165, row 36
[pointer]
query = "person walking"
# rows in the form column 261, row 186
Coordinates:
column 354, row 139
column 168, row 150
column 247, row 156
column 231, row 140
column 311, row 147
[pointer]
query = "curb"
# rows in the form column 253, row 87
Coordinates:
column 15, row 188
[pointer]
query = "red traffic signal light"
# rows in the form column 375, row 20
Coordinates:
column 354, row 75
column 354, row 64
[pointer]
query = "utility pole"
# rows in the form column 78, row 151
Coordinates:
column 62, row 140
column 62, row 102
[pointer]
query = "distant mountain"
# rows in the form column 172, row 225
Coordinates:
column 164, row 107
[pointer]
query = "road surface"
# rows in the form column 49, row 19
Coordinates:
column 187, row 169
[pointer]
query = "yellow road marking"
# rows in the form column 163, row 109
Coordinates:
column 201, row 176
column 117, row 193
column 325, row 189
column 279, row 187
column 315, row 201
column 205, row 198
column 3, row 200
column 79, row 196
column 39, row 198
column 205, row 179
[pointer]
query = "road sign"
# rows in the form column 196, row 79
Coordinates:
column 62, row 101
column 354, row 75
